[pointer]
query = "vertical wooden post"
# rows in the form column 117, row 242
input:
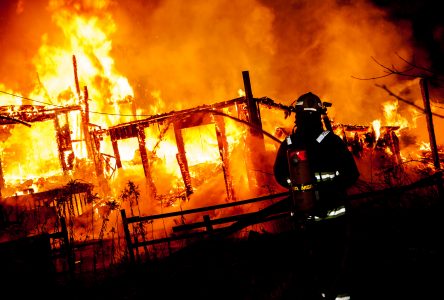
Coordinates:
column 223, row 151
column 114, row 138
column 182, row 159
column 253, row 111
column 394, row 143
column 129, row 244
column 58, row 133
column 145, row 161
column 67, row 245
column 429, row 117
column 255, row 140
column 207, row 222
column 433, row 146
column 76, row 77
column 84, row 111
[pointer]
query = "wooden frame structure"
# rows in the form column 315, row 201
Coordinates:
column 247, row 109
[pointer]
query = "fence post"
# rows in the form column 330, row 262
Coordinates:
column 129, row 244
column 68, row 247
column 207, row 222
column 430, row 127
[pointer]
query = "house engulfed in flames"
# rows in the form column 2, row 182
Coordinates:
column 78, row 204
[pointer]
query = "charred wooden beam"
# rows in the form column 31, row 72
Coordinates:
column 271, row 103
column 125, row 132
column 175, row 115
column 430, row 126
column 31, row 113
column 255, row 139
column 48, row 196
column 64, row 142
column 85, row 128
column 182, row 160
column 61, row 156
column 14, row 121
column 396, row 150
column 223, row 151
column 76, row 77
column 192, row 120
column 116, row 150
column 252, row 106
column 145, row 162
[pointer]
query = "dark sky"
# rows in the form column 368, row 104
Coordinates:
column 427, row 21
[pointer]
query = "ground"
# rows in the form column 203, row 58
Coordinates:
column 394, row 253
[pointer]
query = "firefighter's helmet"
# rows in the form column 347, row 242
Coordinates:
column 309, row 102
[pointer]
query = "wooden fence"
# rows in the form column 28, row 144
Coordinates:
column 237, row 222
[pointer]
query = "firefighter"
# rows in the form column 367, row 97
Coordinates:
column 317, row 167
column 315, row 162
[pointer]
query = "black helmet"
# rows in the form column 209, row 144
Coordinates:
column 309, row 102
column 309, row 109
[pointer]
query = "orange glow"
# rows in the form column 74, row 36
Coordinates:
column 136, row 61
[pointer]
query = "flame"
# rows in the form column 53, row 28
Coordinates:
column 392, row 117
column 376, row 125
column 424, row 146
column 201, row 145
column 30, row 154
column 88, row 38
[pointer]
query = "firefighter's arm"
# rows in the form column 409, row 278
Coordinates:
column 349, row 170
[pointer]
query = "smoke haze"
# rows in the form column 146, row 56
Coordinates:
column 180, row 54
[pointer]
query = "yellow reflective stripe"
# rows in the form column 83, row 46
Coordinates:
column 303, row 187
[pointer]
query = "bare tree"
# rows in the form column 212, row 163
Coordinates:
column 412, row 70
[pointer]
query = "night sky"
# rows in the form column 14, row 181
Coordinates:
column 427, row 22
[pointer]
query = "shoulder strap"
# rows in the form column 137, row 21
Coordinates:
column 322, row 136
column 288, row 140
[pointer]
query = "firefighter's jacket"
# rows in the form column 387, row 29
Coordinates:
column 332, row 166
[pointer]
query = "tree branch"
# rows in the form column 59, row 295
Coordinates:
column 384, row 87
column 407, row 72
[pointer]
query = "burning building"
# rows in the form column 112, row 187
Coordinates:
column 80, row 210
column 84, row 143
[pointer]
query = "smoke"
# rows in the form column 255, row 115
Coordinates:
column 189, row 53
column 194, row 52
